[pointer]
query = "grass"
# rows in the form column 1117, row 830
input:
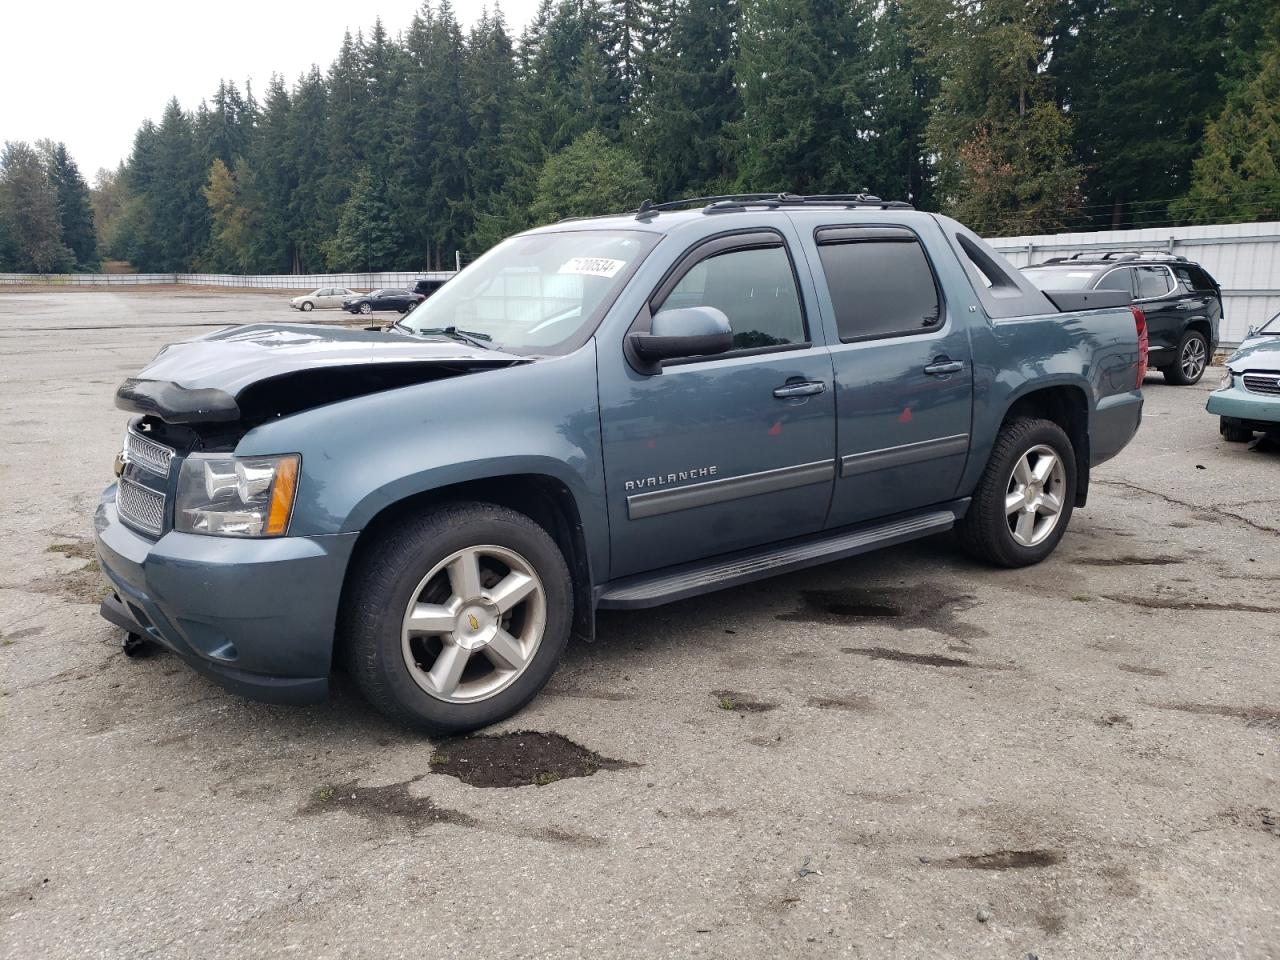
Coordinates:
column 544, row 779
column 727, row 703
column 324, row 793
column 1082, row 598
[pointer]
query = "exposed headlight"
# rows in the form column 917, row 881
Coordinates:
column 1227, row 381
column 236, row 496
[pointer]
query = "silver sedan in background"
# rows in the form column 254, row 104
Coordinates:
column 326, row 298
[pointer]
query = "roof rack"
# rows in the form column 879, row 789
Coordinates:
column 1121, row 256
column 740, row 201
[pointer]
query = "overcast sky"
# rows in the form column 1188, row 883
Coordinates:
column 88, row 73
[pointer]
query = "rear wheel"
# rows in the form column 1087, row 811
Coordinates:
column 1193, row 358
column 1232, row 432
column 1024, row 500
column 458, row 618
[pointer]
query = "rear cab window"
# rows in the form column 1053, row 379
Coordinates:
column 880, row 282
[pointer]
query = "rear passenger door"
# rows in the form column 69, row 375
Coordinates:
column 903, row 373
column 1166, row 321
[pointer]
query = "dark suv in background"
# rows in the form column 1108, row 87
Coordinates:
column 1182, row 302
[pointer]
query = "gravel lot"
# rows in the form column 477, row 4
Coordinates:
column 900, row 755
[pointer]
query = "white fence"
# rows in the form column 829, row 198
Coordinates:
column 1243, row 257
column 302, row 281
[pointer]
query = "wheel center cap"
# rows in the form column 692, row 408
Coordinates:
column 476, row 624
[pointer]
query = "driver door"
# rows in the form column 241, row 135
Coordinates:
column 714, row 454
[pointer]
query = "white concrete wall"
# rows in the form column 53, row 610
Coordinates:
column 1243, row 257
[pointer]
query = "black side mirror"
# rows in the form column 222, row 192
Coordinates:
column 683, row 332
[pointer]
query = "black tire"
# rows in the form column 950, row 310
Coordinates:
column 1233, row 432
column 1174, row 374
column 383, row 583
column 984, row 532
column 307, row 305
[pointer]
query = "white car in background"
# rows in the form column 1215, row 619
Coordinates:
column 326, row 298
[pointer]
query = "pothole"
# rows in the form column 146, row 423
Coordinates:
column 898, row 607
column 899, row 656
column 522, row 759
column 1004, row 860
column 392, row 801
column 741, row 702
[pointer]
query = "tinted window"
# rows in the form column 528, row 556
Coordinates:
column 755, row 289
column 880, row 288
column 1193, row 277
column 1152, row 282
column 1117, row 280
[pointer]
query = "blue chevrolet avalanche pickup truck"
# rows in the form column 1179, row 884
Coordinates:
column 604, row 413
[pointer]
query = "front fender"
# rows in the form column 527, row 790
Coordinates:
column 364, row 454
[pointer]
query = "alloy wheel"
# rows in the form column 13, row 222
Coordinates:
column 474, row 624
column 1194, row 357
column 1033, row 500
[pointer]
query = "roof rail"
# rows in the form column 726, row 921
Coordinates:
column 740, row 201
column 1120, row 256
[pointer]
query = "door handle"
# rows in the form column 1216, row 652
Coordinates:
column 803, row 388
column 943, row 366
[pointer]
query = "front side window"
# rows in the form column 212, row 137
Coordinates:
column 1152, row 282
column 755, row 289
column 880, row 288
column 534, row 293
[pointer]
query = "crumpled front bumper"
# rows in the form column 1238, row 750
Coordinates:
column 257, row 616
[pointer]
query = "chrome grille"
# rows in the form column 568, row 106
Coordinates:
column 1268, row 383
column 140, row 507
column 147, row 454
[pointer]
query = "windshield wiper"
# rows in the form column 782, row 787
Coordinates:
column 481, row 340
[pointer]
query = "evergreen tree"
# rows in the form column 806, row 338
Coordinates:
column 1003, row 145
column 108, row 196
column 32, row 223
column 1237, row 175
column 75, row 211
column 799, row 70
column 693, row 101
column 367, row 233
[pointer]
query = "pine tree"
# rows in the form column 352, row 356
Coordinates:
column 1237, row 176
column 694, row 100
column 367, row 232
column 1003, row 144
column 32, row 227
column 75, row 211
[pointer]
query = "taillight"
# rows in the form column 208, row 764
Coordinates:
column 1140, row 320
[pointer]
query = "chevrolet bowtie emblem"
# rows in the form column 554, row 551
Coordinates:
column 471, row 619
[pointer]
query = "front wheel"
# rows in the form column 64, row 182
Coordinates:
column 1024, row 500
column 1193, row 358
column 366, row 308
column 456, row 619
column 1233, row 432
column 307, row 306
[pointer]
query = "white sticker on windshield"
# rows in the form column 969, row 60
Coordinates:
column 592, row 266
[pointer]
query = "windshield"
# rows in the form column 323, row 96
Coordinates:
column 534, row 293
column 1059, row 278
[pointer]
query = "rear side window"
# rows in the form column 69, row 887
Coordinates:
column 1152, row 282
column 1194, row 278
column 754, row 288
column 1117, row 280
column 881, row 286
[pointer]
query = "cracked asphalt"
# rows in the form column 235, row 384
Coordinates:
column 900, row 755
